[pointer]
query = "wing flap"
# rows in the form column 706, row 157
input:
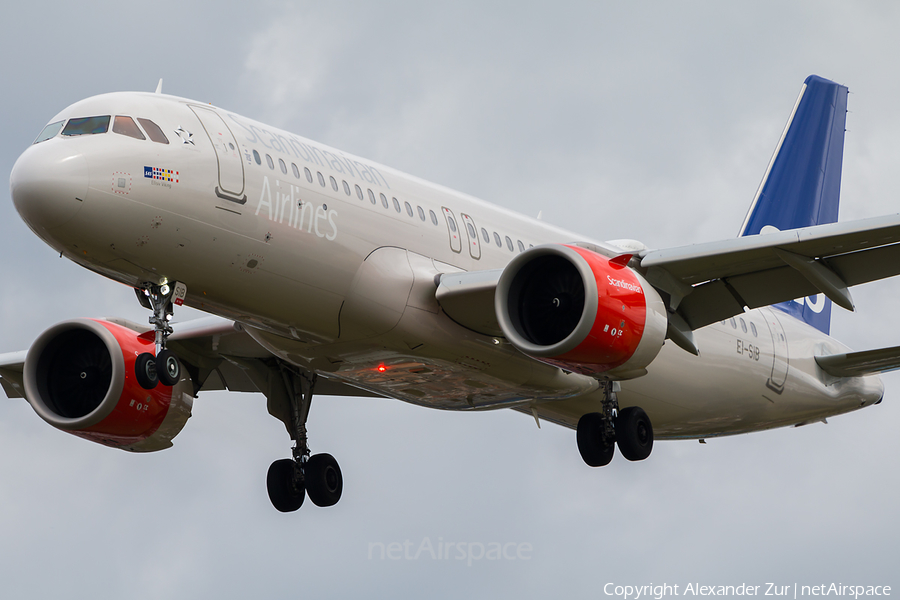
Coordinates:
column 861, row 267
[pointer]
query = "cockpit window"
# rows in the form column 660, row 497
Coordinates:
column 49, row 131
column 126, row 126
column 153, row 131
column 87, row 126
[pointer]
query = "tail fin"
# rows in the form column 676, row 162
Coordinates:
column 802, row 185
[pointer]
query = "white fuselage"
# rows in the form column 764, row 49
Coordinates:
column 345, row 285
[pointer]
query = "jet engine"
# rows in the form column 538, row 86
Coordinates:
column 80, row 377
column 581, row 311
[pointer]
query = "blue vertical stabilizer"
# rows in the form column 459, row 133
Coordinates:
column 802, row 186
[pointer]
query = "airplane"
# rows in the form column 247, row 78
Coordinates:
column 324, row 273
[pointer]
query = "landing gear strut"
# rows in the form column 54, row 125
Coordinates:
column 319, row 476
column 164, row 366
column 599, row 433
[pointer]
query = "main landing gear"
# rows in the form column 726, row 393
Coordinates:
column 290, row 480
column 163, row 367
column 599, row 433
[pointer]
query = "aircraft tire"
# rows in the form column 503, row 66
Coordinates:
column 145, row 371
column 594, row 451
column 324, row 482
column 634, row 433
column 168, row 368
column 286, row 494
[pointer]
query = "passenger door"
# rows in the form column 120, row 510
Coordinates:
column 231, row 166
column 453, row 230
column 472, row 232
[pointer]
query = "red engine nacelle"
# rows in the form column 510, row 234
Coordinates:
column 581, row 311
column 79, row 377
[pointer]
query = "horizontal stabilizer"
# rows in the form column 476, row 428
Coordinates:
column 857, row 364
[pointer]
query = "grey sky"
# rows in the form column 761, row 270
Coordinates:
column 645, row 120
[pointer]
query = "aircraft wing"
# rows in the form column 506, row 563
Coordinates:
column 217, row 354
column 710, row 282
column 705, row 283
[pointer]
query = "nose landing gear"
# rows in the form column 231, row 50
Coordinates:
column 164, row 367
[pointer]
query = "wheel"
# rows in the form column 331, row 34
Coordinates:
column 145, row 371
column 589, row 435
column 324, row 483
column 169, row 369
column 285, row 489
column 634, row 434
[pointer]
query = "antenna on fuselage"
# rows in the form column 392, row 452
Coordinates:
column 159, row 86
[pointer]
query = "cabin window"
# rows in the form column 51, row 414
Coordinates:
column 396, row 204
column 334, row 184
column 472, row 233
column 733, row 323
column 257, row 158
column 509, row 244
column 452, row 223
column 49, row 131
column 384, row 200
column 409, row 209
column 743, row 326
column 434, row 218
column 346, row 186
column 321, row 178
column 359, row 192
column 497, row 240
column 127, row 126
column 295, row 170
column 372, row 196
column 153, row 131
column 521, row 245
column 485, row 235
column 421, row 213
column 270, row 162
column 753, row 329
column 308, row 174
column 282, row 166
column 87, row 126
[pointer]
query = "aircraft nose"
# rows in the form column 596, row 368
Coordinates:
column 49, row 184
